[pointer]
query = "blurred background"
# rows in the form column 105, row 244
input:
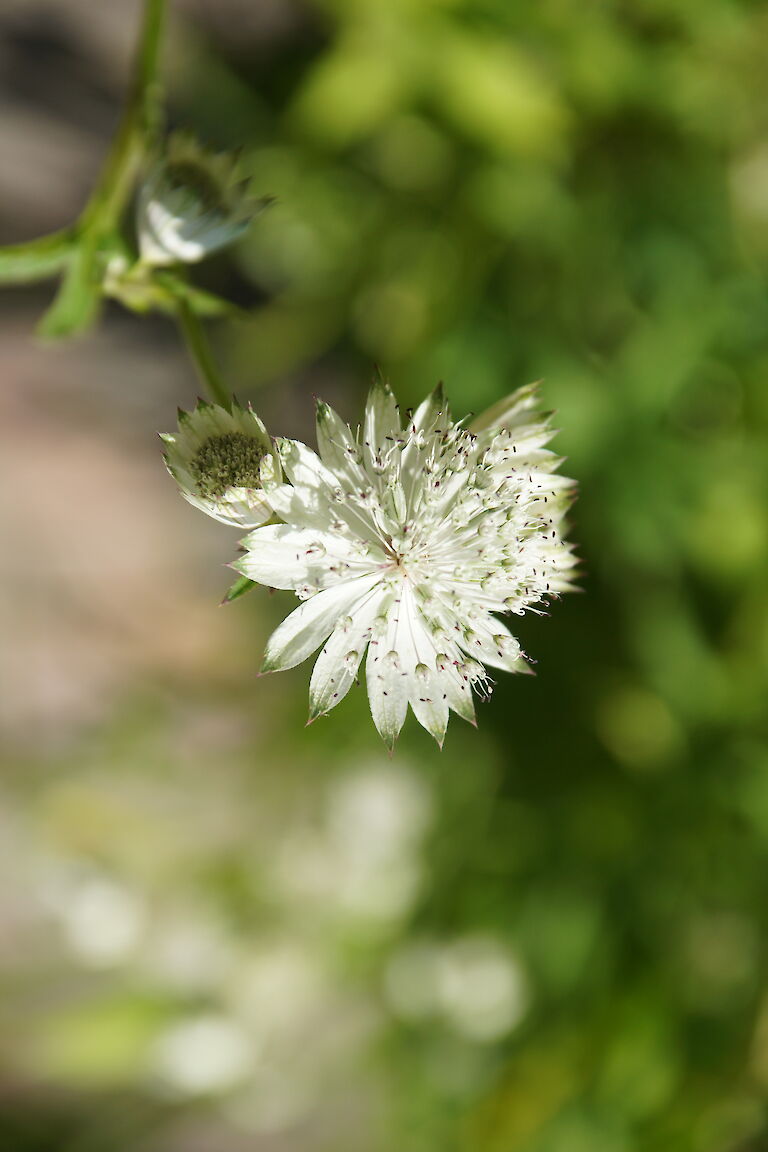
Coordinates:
column 221, row 931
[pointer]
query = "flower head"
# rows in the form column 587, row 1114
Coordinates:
column 192, row 203
column 408, row 539
column 219, row 459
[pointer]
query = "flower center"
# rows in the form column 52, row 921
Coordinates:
column 228, row 461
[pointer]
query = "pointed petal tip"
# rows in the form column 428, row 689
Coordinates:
column 389, row 740
column 313, row 714
column 380, row 383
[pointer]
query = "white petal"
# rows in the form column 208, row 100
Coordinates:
column 382, row 418
column 337, row 665
column 431, row 411
column 284, row 557
column 339, row 449
column 509, row 412
column 491, row 642
column 387, row 682
column 243, row 508
column 303, row 466
column 429, row 701
column 199, row 425
column 238, row 507
column 457, row 688
column 427, row 696
column 312, row 622
column 401, row 669
column 305, row 506
column 301, row 506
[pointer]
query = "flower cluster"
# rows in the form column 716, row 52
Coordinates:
column 404, row 541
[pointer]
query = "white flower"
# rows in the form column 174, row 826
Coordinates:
column 218, row 459
column 191, row 204
column 407, row 540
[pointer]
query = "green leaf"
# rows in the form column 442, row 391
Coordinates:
column 238, row 589
column 37, row 259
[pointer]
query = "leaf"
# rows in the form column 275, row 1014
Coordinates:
column 37, row 259
column 238, row 589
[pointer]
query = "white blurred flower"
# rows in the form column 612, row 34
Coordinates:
column 279, row 989
column 407, row 540
column 481, row 988
column 377, row 813
column 187, row 953
column 218, row 459
column 474, row 983
column 365, row 866
column 204, row 1054
column 192, row 204
column 103, row 921
column 329, row 884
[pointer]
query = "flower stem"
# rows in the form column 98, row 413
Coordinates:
column 200, row 352
column 37, row 259
column 138, row 127
column 79, row 294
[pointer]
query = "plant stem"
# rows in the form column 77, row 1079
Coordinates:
column 138, row 127
column 37, row 259
column 199, row 350
column 78, row 297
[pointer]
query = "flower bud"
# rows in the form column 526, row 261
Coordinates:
column 192, row 204
column 219, row 458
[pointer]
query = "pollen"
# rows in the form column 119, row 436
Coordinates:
column 228, row 461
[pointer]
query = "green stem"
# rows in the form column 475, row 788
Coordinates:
column 37, row 259
column 138, row 127
column 199, row 350
column 78, row 297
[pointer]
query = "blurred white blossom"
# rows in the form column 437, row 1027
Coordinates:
column 476, row 985
column 203, row 1054
column 192, row 203
column 103, row 921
